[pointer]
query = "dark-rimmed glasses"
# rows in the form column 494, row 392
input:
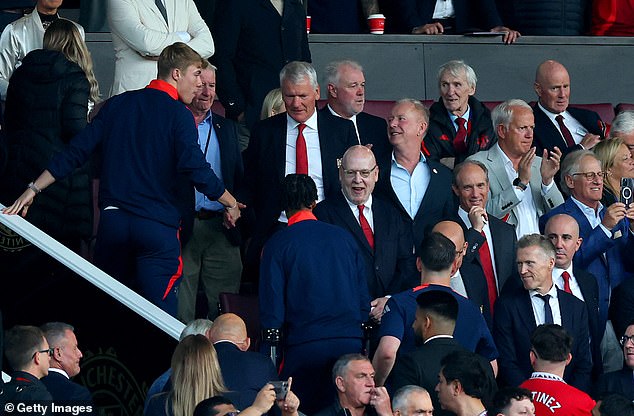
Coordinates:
column 626, row 338
column 365, row 173
column 49, row 351
column 591, row 175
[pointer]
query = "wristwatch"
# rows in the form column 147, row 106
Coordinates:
column 519, row 184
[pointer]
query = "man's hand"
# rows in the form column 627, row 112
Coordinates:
column 524, row 167
column 380, row 400
column 629, row 213
column 265, row 399
column 478, row 217
column 290, row 404
column 613, row 214
column 550, row 165
column 590, row 140
column 510, row 35
column 377, row 307
column 429, row 29
column 232, row 214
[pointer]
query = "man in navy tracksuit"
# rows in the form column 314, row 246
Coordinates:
column 147, row 138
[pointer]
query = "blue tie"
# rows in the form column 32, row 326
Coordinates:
column 548, row 312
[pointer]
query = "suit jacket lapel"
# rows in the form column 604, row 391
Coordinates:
column 525, row 307
column 279, row 146
column 345, row 213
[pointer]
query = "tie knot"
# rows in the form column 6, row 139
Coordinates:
column 559, row 118
column 460, row 122
column 545, row 298
column 301, row 127
column 565, row 275
column 361, row 207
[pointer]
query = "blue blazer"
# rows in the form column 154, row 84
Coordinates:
column 619, row 261
column 512, row 327
column 63, row 389
column 391, row 266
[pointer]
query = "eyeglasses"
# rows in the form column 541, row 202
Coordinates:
column 48, row 351
column 591, row 175
column 365, row 173
column 625, row 338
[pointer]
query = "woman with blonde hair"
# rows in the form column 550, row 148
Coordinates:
column 46, row 106
column 195, row 376
column 272, row 104
column 617, row 163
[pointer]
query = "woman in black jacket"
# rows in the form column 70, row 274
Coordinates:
column 47, row 104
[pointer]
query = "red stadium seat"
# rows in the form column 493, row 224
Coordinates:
column 624, row 107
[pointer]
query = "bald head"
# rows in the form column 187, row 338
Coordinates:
column 563, row 231
column 230, row 327
column 552, row 85
column 453, row 231
column 358, row 174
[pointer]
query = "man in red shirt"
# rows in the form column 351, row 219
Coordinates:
column 550, row 353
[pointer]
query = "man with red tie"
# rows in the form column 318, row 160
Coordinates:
column 459, row 124
column 491, row 241
column 298, row 141
column 384, row 237
column 563, row 231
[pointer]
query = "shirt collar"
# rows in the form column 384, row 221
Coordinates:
column 302, row 215
column 466, row 115
column 422, row 159
column 588, row 211
column 552, row 292
column 159, row 84
column 59, row 370
column 436, row 337
column 505, row 159
column 558, row 272
column 334, row 113
column 311, row 122
column 367, row 204
column 547, row 376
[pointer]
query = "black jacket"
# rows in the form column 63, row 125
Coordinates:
column 47, row 104
column 546, row 17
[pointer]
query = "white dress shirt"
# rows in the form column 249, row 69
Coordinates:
column 353, row 119
column 367, row 211
column 443, row 9
column 574, row 285
column 464, row 216
column 576, row 129
column 538, row 306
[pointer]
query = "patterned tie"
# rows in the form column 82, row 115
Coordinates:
column 564, row 131
column 459, row 142
column 566, row 277
column 365, row 226
column 301, row 155
column 548, row 312
column 487, row 268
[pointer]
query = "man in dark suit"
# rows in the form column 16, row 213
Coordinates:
column 420, row 17
column 606, row 231
column 254, row 39
column 64, row 365
column 346, row 98
column 212, row 254
column 491, row 242
column 420, row 188
column 459, row 124
column 563, row 231
column 622, row 306
column 518, row 313
column 273, row 153
column 435, row 322
column 621, row 381
column 383, row 236
column 556, row 123
column 244, row 372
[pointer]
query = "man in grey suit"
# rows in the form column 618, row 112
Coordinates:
column 521, row 183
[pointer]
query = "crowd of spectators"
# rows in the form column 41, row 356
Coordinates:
column 431, row 257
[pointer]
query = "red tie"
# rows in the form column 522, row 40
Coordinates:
column 365, row 226
column 564, row 131
column 566, row 277
column 487, row 268
column 301, row 155
column 459, row 142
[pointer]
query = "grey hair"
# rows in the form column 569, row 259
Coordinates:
column 196, row 327
column 297, row 71
column 503, row 113
column 418, row 106
column 540, row 241
column 55, row 332
column 401, row 396
column 571, row 164
column 340, row 367
column 332, row 70
column 622, row 123
column 456, row 68
column 460, row 166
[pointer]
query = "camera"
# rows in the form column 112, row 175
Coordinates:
column 281, row 389
column 627, row 191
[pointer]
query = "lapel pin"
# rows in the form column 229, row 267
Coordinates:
column 434, row 170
